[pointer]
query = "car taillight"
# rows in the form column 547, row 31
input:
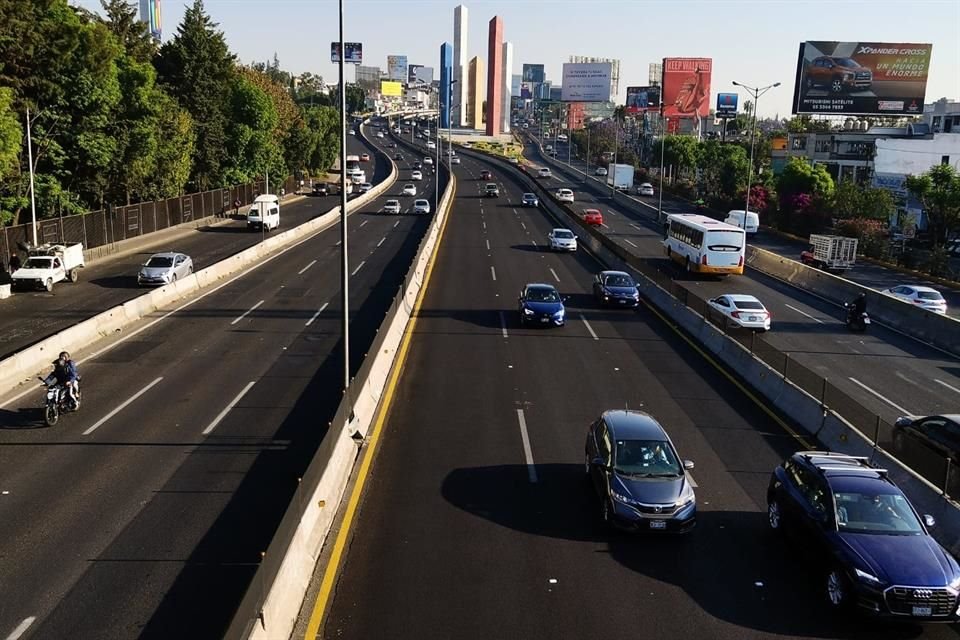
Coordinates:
column 735, row 314
column 703, row 259
column 740, row 262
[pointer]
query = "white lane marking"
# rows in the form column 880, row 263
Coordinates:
column 527, row 453
column 503, row 324
column 889, row 402
column 226, row 410
column 636, row 226
column 948, row 386
column 555, row 276
column 515, row 211
column 631, row 244
column 338, row 243
column 21, row 628
column 121, row 407
column 916, row 384
column 363, row 223
column 523, row 225
column 312, row 262
column 359, row 266
column 395, row 224
column 803, row 313
column 488, row 245
column 602, row 224
column 317, row 314
column 382, row 240
column 589, row 328
column 484, row 223
column 244, row 314
column 493, row 273
column 693, row 483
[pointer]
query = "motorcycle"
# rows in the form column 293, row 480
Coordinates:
column 856, row 322
column 58, row 402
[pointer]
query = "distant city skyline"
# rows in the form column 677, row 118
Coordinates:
column 757, row 44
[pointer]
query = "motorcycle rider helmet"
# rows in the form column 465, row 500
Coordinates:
column 64, row 356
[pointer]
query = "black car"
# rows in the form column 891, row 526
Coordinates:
column 321, row 189
column 637, row 474
column 926, row 443
column 871, row 546
column 616, row 288
column 418, row 166
column 398, row 156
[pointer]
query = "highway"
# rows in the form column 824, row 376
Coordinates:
column 144, row 514
column 477, row 521
column 885, row 371
column 30, row 316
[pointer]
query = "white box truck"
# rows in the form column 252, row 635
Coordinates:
column 264, row 213
column 49, row 264
column 830, row 253
column 620, row 176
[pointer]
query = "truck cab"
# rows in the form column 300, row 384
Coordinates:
column 49, row 264
column 264, row 213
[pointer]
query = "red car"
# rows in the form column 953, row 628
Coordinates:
column 485, row 175
column 593, row 216
column 364, row 157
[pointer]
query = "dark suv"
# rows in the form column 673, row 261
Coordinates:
column 838, row 74
column 876, row 553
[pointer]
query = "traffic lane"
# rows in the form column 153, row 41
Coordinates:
column 191, row 411
column 550, row 520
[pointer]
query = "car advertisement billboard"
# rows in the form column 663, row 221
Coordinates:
column 586, row 82
column 397, row 68
column 686, row 87
column 727, row 104
column 354, row 52
column 391, row 88
column 412, row 73
column 424, row 74
column 533, row 73
column 640, row 99
column 861, row 78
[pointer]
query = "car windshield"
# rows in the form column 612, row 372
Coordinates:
column 929, row 295
column 160, row 261
column 646, row 458
column 565, row 235
column 618, row 280
column 540, row 294
column 725, row 240
column 845, row 62
column 870, row 513
column 528, row 196
column 747, row 304
column 38, row 263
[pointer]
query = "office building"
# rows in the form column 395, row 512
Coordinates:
column 446, row 78
column 460, row 88
column 494, row 75
column 655, row 74
column 506, row 90
column 476, row 93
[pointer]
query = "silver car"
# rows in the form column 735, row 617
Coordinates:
column 164, row 268
column 562, row 240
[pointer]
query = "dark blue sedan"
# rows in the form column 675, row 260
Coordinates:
column 541, row 304
column 616, row 288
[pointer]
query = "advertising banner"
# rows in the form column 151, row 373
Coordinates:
column 727, row 104
column 586, row 82
column 534, row 73
column 641, row 99
column 397, row 68
column 354, row 52
column 391, row 88
column 424, row 74
column 861, row 78
column 412, row 73
column 686, row 87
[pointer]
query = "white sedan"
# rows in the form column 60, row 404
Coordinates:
column 409, row 190
column 416, row 175
column 645, row 189
column 544, row 172
column 564, row 195
column 428, row 160
column 742, row 311
column 431, row 144
column 164, row 268
column 600, row 171
column 392, row 206
column 923, row 297
column 421, row 206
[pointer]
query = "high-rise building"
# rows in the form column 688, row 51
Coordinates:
column 446, row 76
column 506, row 90
column 475, row 93
column 655, row 74
column 614, row 70
column 460, row 89
column 150, row 14
column 494, row 74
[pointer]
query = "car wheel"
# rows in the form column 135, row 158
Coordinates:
column 48, row 285
column 173, row 278
column 605, row 516
column 836, row 86
column 688, row 266
column 774, row 517
column 837, row 589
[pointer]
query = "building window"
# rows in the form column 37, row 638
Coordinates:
column 943, row 160
column 936, row 124
column 799, row 144
column 823, row 146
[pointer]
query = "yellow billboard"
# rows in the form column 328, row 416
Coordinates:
column 390, row 88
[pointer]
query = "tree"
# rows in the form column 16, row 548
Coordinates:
column 939, row 191
column 851, row 200
column 175, row 149
column 800, row 177
column 198, row 69
column 680, row 151
column 252, row 147
column 356, row 98
column 806, row 124
column 11, row 140
column 324, row 124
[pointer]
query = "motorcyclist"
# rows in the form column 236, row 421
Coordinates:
column 65, row 374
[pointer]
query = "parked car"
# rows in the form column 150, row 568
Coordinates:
column 416, row 175
column 530, row 200
column 742, row 311
column 924, row 297
column 544, row 172
column 637, row 474
column 645, row 189
column 164, row 268
column 564, row 195
column 491, row 190
column 873, row 550
column 421, row 206
column 409, row 190
column 562, row 240
column 392, row 206
column 593, row 216
column 616, row 288
column 541, row 304
column 600, row 171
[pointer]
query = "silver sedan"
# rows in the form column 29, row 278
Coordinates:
column 165, row 268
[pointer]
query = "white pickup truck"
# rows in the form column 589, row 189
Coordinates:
column 49, row 264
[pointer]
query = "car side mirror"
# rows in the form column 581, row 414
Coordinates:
column 688, row 465
column 929, row 520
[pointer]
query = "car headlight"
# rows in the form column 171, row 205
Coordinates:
column 636, row 295
column 619, row 497
column 558, row 314
column 955, row 585
column 869, row 578
column 527, row 312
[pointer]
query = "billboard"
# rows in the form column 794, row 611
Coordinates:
column 861, row 78
column 586, row 82
column 391, row 88
column 397, row 68
column 354, row 52
column 150, row 14
column 640, row 99
column 533, row 73
column 686, row 87
column 412, row 73
column 424, row 74
column 727, row 104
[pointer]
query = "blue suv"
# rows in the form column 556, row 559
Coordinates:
column 877, row 554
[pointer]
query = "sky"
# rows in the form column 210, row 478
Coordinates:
column 752, row 42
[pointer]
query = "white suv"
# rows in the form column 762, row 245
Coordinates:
column 421, row 206
column 392, row 206
column 564, row 195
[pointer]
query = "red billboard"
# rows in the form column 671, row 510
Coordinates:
column 861, row 78
column 686, row 87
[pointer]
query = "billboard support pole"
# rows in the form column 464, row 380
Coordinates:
column 756, row 93
column 345, row 266
column 663, row 148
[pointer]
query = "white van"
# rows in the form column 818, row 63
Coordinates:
column 735, row 218
column 264, row 213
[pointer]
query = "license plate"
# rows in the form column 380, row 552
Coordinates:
column 752, row 318
column 923, row 611
column 662, row 524
column 622, row 301
column 544, row 319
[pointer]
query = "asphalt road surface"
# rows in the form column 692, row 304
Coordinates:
column 466, row 532
column 144, row 514
column 30, row 316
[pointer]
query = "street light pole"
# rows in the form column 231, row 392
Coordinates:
column 33, row 200
column 756, row 93
column 663, row 148
column 345, row 264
